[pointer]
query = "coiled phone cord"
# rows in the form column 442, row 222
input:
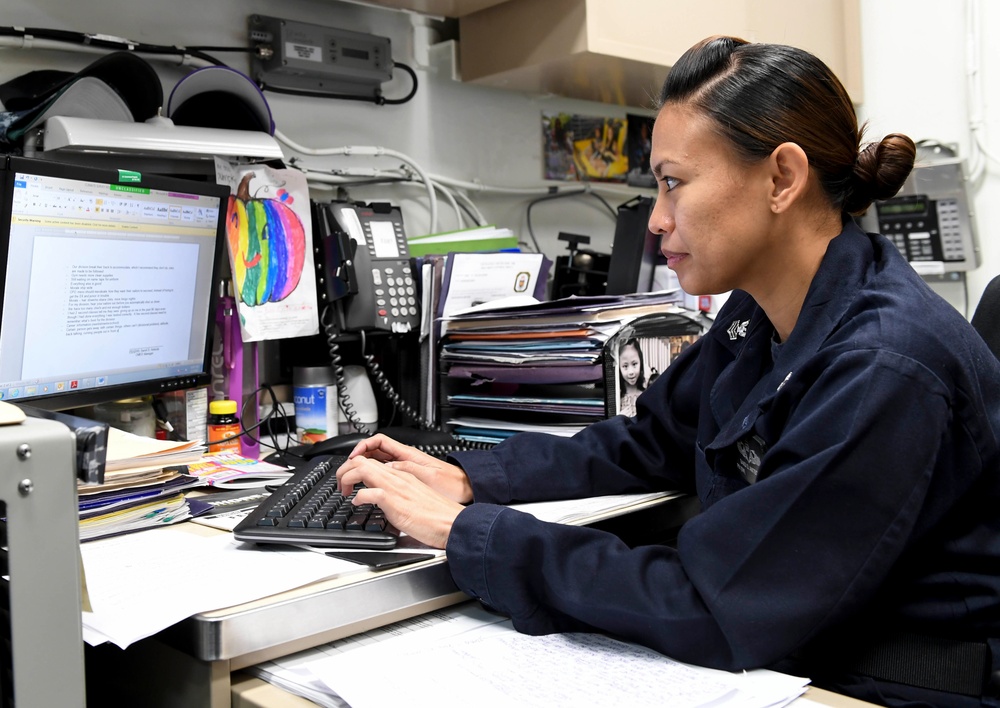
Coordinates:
column 347, row 406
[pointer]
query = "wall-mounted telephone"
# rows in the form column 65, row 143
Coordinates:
column 365, row 261
column 930, row 220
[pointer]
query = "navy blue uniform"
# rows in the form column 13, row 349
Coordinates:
column 849, row 480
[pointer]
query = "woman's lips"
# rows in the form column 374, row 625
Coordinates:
column 674, row 258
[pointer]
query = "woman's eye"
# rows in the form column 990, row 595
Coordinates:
column 670, row 182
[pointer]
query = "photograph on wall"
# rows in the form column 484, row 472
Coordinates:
column 640, row 361
column 599, row 148
column 640, row 144
column 585, row 148
column 557, row 139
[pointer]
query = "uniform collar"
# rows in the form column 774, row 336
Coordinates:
column 833, row 289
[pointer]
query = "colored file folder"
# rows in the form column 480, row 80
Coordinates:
column 553, row 363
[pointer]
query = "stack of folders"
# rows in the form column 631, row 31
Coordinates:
column 453, row 281
column 475, row 240
column 144, row 484
column 552, row 366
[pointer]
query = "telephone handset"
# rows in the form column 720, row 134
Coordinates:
column 367, row 264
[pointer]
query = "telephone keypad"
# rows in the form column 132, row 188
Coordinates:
column 934, row 236
column 398, row 292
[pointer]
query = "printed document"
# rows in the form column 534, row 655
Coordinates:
column 491, row 664
column 144, row 582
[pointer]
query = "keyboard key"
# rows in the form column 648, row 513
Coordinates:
column 357, row 521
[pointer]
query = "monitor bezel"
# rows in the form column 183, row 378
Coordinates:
column 77, row 398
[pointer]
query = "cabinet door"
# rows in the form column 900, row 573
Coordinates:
column 443, row 8
column 619, row 51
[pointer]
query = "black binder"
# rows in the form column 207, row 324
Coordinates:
column 634, row 251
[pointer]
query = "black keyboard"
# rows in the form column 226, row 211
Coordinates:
column 309, row 509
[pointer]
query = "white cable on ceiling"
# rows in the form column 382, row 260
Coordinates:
column 369, row 151
column 979, row 151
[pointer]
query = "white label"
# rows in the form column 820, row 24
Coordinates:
column 928, row 267
column 304, row 52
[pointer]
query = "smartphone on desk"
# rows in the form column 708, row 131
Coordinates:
column 381, row 560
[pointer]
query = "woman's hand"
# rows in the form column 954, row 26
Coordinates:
column 446, row 479
column 409, row 504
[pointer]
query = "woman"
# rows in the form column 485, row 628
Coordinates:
column 839, row 424
column 631, row 375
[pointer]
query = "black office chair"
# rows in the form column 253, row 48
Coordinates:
column 986, row 318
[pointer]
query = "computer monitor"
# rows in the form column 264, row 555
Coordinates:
column 107, row 281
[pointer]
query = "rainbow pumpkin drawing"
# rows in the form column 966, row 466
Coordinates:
column 268, row 245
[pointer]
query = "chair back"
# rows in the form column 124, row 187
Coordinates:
column 986, row 318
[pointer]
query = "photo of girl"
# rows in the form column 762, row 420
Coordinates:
column 631, row 375
column 641, row 360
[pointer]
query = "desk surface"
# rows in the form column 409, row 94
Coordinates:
column 328, row 610
column 190, row 664
column 315, row 614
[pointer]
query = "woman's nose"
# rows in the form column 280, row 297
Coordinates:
column 660, row 220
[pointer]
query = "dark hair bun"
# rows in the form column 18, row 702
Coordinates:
column 880, row 171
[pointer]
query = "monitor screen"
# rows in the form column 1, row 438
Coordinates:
column 107, row 282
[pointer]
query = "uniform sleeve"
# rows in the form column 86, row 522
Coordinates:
column 758, row 573
column 652, row 451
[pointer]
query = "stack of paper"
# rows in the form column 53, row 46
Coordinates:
column 528, row 365
column 136, row 452
column 140, row 584
column 230, row 470
column 143, row 487
column 488, row 660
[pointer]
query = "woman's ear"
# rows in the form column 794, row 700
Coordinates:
column 789, row 176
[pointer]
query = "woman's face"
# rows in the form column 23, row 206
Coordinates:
column 712, row 211
column 629, row 365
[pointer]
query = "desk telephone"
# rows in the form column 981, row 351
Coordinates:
column 365, row 261
column 365, row 277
